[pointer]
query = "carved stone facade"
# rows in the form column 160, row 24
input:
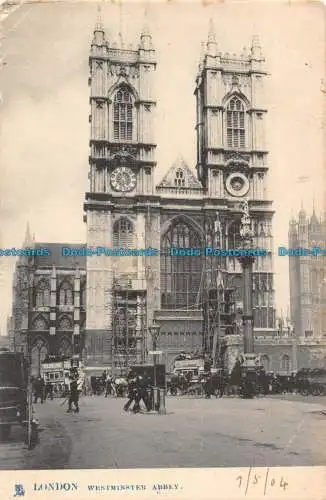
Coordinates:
column 124, row 208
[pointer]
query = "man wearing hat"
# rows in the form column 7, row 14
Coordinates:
column 74, row 392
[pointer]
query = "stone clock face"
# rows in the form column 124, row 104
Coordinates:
column 123, row 179
column 237, row 184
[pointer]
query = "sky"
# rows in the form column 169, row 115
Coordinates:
column 45, row 107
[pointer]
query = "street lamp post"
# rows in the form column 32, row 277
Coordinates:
column 246, row 262
column 154, row 331
column 249, row 369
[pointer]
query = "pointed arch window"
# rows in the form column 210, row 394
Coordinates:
column 123, row 233
column 235, row 124
column 65, row 348
column 65, row 294
column 179, row 180
column 123, row 114
column 42, row 294
column 285, row 363
column 181, row 276
column 39, row 352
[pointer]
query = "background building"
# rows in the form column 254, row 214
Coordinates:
column 308, row 277
column 48, row 314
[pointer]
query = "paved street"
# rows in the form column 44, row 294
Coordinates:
column 274, row 431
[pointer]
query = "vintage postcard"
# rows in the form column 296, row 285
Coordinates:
column 162, row 250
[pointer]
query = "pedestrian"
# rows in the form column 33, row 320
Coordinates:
column 132, row 391
column 39, row 389
column 141, row 394
column 80, row 382
column 48, row 391
column 74, row 393
column 108, row 385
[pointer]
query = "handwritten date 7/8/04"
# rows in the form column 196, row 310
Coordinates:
column 266, row 479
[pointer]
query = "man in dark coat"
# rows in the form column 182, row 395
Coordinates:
column 132, row 391
column 141, row 394
column 74, row 393
column 39, row 389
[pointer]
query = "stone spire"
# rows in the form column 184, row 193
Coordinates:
column 28, row 241
column 99, row 33
column 202, row 57
column 256, row 50
column 211, row 41
column 146, row 38
column 145, row 35
column 314, row 219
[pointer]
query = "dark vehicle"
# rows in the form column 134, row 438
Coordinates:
column 311, row 381
column 16, row 396
column 250, row 370
column 97, row 385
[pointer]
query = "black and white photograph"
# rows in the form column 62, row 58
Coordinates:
column 163, row 250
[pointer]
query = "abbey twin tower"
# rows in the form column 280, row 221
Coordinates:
column 104, row 307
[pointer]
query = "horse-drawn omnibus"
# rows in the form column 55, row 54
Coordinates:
column 16, row 406
column 55, row 370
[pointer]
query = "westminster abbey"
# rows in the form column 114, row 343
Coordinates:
column 104, row 308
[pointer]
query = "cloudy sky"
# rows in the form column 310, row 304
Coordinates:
column 45, row 107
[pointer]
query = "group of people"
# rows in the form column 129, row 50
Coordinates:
column 107, row 384
column 139, row 389
column 41, row 389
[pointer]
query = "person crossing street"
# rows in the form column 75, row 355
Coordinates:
column 74, row 390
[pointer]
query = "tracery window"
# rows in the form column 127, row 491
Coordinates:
column 179, row 180
column 42, row 294
column 122, row 114
column 181, row 276
column 65, row 348
column 123, row 233
column 65, row 294
column 39, row 323
column 65, row 323
column 285, row 363
column 235, row 123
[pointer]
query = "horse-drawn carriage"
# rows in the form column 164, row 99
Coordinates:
column 16, row 402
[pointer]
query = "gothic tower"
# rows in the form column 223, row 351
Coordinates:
column 232, row 158
column 307, row 277
column 122, row 153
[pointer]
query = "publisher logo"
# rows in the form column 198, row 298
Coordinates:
column 19, row 490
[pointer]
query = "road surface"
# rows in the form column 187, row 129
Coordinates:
column 196, row 432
